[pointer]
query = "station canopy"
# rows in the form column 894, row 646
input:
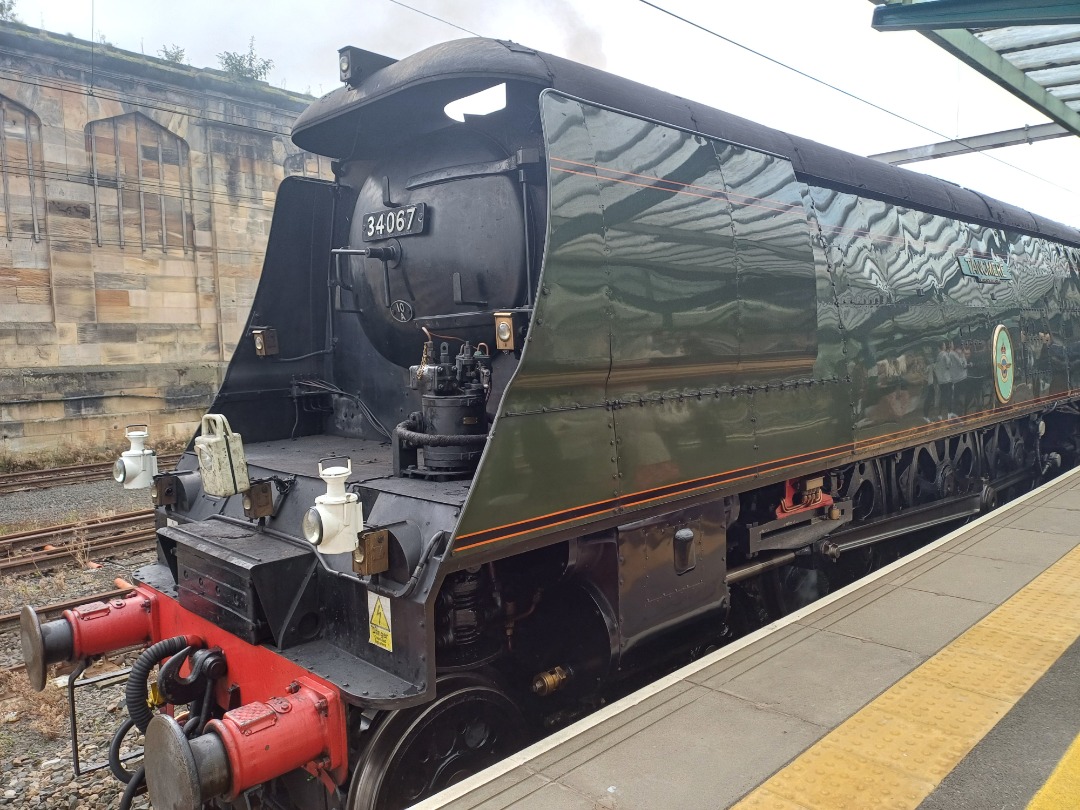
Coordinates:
column 1029, row 47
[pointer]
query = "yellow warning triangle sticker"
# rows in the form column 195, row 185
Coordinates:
column 378, row 617
column 379, row 632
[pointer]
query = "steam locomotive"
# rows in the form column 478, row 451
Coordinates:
column 533, row 400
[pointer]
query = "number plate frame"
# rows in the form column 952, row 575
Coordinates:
column 384, row 223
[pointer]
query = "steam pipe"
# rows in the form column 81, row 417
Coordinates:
column 390, row 253
column 406, row 431
column 528, row 246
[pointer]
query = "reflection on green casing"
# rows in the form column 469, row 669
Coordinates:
column 706, row 321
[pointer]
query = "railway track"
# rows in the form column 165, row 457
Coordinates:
column 40, row 549
column 75, row 474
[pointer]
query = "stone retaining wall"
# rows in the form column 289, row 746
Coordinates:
column 135, row 205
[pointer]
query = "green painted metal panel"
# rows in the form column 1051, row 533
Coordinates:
column 553, row 441
column 706, row 321
column 678, row 312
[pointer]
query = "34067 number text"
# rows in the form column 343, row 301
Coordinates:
column 408, row 220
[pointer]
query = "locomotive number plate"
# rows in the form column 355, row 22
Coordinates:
column 408, row 220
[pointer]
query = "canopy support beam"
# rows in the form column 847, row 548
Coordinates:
column 966, row 47
column 974, row 14
column 976, row 143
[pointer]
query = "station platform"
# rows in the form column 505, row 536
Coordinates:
column 949, row 679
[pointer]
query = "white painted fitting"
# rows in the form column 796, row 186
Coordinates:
column 137, row 465
column 341, row 513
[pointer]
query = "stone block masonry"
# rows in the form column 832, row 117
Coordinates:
column 137, row 201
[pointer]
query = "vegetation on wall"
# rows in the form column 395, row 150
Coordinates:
column 245, row 65
column 173, row 53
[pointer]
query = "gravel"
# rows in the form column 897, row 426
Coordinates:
column 67, row 504
column 35, row 749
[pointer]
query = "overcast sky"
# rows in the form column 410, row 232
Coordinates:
column 829, row 39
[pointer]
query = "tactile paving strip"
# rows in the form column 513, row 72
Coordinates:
column 893, row 752
column 1062, row 789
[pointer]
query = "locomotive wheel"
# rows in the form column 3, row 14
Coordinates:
column 941, row 469
column 863, row 486
column 414, row 753
column 993, row 461
column 1017, row 449
column 801, row 586
column 1007, row 447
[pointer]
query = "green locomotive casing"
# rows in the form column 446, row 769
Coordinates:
column 708, row 322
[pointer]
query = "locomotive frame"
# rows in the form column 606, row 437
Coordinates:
column 657, row 373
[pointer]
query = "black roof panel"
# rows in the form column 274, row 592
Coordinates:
column 330, row 125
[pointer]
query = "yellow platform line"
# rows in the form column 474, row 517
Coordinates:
column 898, row 748
column 1062, row 789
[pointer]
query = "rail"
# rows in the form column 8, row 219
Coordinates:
column 39, row 549
column 25, row 480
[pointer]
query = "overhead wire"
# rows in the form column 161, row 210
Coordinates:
column 185, row 195
column 128, row 246
column 433, row 17
column 193, row 113
column 151, row 186
column 804, row 74
column 851, row 95
column 169, row 191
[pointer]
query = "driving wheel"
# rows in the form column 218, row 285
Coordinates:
column 414, row 753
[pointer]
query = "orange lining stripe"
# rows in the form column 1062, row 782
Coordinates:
column 828, row 452
column 838, row 449
column 726, row 192
column 668, row 190
column 581, row 517
column 960, row 420
column 825, row 454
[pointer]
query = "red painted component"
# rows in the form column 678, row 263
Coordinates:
column 268, row 735
column 101, row 627
column 796, row 500
column 254, row 674
column 266, row 739
column 257, row 678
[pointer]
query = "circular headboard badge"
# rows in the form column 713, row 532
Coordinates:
column 1004, row 367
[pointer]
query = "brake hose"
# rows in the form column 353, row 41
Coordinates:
column 136, row 693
